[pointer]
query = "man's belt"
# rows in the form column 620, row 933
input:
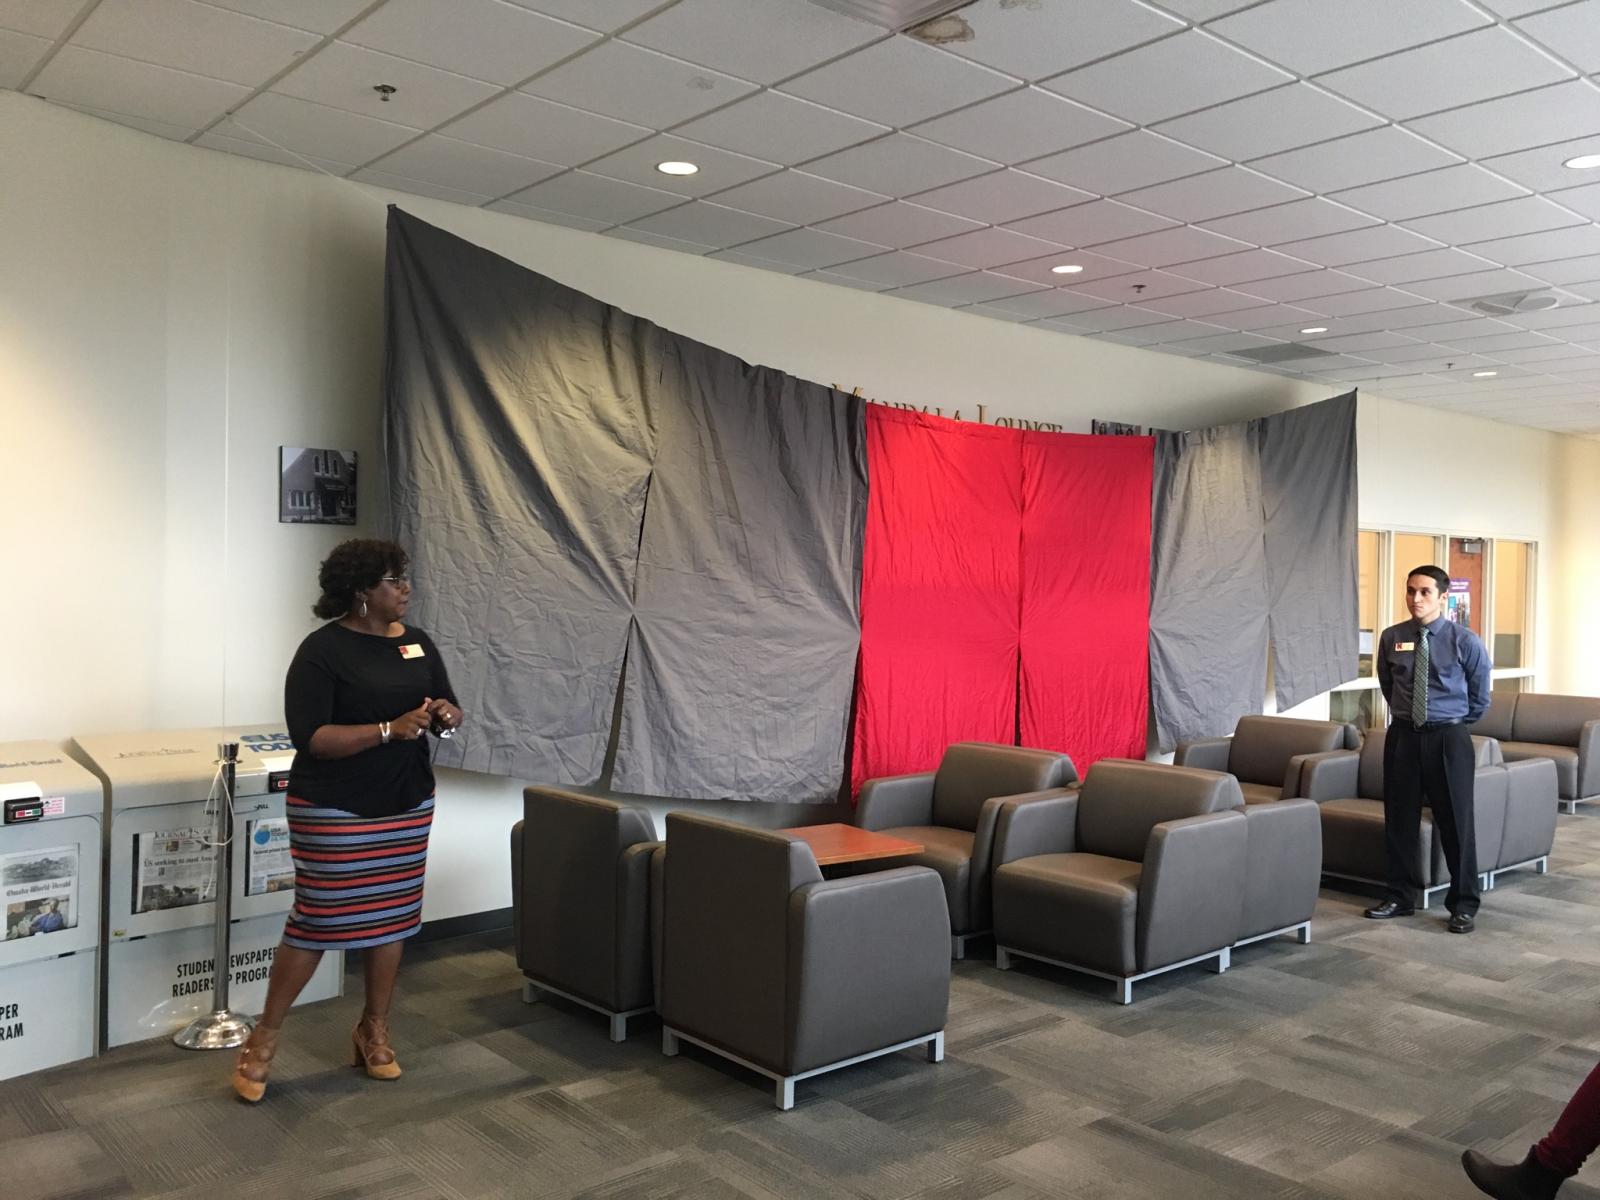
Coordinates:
column 1429, row 726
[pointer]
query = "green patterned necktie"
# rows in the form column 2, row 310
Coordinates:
column 1419, row 682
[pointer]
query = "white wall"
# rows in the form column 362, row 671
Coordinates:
column 169, row 316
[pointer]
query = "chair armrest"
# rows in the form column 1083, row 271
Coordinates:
column 1191, row 901
column 868, row 964
column 1284, row 867
column 896, row 800
column 1532, row 797
column 1294, row 776
column 658, row 915
column 516, row 890
column 1588, row 760
column 982, row 868
column 1043, row 823
column 1331, row 775
column 1209, row 754
column 635, row 980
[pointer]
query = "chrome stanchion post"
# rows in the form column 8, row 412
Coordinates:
column 220, row 1029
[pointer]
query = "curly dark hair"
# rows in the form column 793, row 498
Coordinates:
column 351, row 567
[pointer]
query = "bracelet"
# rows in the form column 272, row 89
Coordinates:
column 383, row 733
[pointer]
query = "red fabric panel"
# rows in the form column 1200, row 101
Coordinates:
column 1085, row 594
column 940, row 588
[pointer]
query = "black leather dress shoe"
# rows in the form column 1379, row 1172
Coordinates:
column 1528, row 1180
column 1388, row 909
column 1462, row 923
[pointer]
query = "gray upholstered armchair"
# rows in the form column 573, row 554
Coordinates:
column 1564, row 729
column 1137, row 871
column 767, row 964
column 1265, row 753
column 580, row 901
column 952, row 812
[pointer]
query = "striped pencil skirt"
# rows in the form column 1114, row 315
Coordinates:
column 357, row 880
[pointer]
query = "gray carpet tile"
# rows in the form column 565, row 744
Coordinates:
column 1358, row 1066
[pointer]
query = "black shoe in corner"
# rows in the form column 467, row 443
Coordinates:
column 1462, row 923
column 1528, row 1180
column 1388, row 909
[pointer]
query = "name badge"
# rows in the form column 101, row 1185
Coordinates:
column 414, row 650
column 1398, row 646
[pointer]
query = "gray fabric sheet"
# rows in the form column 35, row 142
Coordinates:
column 1308, row 489
column 1208, row 583
column 572, row 482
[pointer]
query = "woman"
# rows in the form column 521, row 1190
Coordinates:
column 361, row 696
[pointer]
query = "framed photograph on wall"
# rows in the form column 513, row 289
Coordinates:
column 316, row 487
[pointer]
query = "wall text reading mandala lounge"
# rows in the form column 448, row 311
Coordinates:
column 983, row 417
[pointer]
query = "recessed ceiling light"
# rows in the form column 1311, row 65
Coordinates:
column 1584, row 162
column 1315, row 329
column 677, row 168
column 1484, row 374
column 1066, row 269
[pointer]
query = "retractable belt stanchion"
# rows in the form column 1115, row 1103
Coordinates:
column 220, row 1029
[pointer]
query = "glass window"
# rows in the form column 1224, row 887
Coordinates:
column 1468, row 577
column 1367, row 603
column 1359, row 706
column 1510, row 648
column 1516, row 683
column 1411, row 550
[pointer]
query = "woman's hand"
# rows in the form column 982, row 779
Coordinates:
column 409, row 726
column 445, row 714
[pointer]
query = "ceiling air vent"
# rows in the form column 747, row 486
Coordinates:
column 1283, row 352
column 894, row 14
column 1506, row 304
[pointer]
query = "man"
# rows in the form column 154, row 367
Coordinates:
column 1435, row 676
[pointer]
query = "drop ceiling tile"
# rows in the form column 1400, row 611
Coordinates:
column 1573, row 32
column 976, row 288
column 1051, row 302
column 1138, row 287
column 1583, row 200
column 798, row 199
column 719, row 169
column 1429, row 264
column 1357, row 343
column 1312, row 36
column 1507, row 218
column 485, row 39
column 1122, row 163
column 750, row 260
column 1170, row 246
column 1027, row 123
column 537, row 128
column 1462, row 186
column 631, row 84
column 780, row 128
column 216, row 139
column 1350, row 303
column 1221, row 303
column 19, row 54
column 1295, row 221
column 1032, row 41
column 1495, row 127
column 106, row 81
column 1171, row 331
column 1002, row 196
column 1306, row 285
column 446, row 162
column 1245, row 267
column 1359, row 245
column 1091, row 224
column 1576, row 242
column 1222, row 343
column 193, row 37
column 419, row 187
column 604, row 16
column 1361, row 158
column 1541, row 169
column 1456, row 288
column 1201, row 11
column 341, row 75
column 547, row 216
column 661, row 243
column 1496, row 344
column 1166, row 78
column 1578, row 333
column 1285, row 319
column 1588, row 291
column 899, row 165
column 760, row 40
column 897, row 269
column 319, row 16
column 989, row 248
column 708, row 224
column 1567, row 271
column 1270, row 122
column 596, row 197
column 997, row 313
column 898, row 82
column 1095, row 266
column 39, row 18
column 899, row 225
column 1555, row 319
column 1213, row 194
column 1444, row 331
column 1123, row 316
column 860, row 285
column 321, row 132
column 811, row 248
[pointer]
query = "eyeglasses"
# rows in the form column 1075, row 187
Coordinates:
column 397, row 580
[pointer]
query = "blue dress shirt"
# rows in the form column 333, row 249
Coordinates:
column 1458, row 671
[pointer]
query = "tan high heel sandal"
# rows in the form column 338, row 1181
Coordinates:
column 374, row 1051
column 254, row 1063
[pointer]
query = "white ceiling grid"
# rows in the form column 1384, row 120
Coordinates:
column 1227, row 172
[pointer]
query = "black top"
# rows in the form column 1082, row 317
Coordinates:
column 341, row 677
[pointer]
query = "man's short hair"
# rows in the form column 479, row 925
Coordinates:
column 1441, row 579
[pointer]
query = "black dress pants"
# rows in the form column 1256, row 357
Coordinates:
column 1437, row 764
